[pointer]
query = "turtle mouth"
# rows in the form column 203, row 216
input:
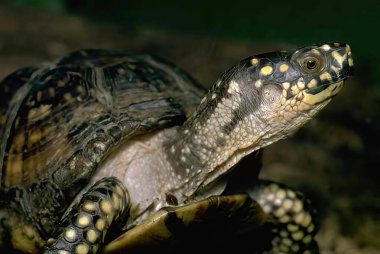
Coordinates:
column 322, row 93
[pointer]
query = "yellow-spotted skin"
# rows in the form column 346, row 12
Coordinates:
column 83, row 230
column 294, row 218
column 79, row 134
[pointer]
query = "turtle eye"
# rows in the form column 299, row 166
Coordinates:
column 311, row 63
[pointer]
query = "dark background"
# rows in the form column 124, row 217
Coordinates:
column 334, row 159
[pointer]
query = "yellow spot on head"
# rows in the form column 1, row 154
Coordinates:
column 63, row 252
column 300, row 85
column 325, row 47
column 312, row 84
column 266, row 70
column 254, row 61
column 295, row 89
column 340, row 59
column 283, row 67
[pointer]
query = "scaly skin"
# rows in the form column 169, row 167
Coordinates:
column 66, row 121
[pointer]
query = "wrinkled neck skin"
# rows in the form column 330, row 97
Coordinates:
column 232, row 121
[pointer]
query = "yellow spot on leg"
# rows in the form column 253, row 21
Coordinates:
column 83, row 220
column 82, row 249
column 306, row 221
column 119, row 190
column 297, row 235
column 70, row 235
column 287, row 204
column 100, row 224
column 92, row 236
column 89, row 206
column 307, row 239
column 107, row 208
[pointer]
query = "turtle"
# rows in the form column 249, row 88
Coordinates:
column 103, row 144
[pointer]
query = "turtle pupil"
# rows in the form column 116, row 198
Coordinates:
column 311, row 64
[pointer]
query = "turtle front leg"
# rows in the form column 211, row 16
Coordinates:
column 293, row 219
column 86, row 225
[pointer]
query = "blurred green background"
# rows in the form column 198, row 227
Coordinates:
column 298, row 21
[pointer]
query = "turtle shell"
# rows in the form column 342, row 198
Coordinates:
column 70, row 115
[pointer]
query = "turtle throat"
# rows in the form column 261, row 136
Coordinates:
column 213, row 140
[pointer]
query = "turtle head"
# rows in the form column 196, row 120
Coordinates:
column 260, row 100
column 280, row 91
